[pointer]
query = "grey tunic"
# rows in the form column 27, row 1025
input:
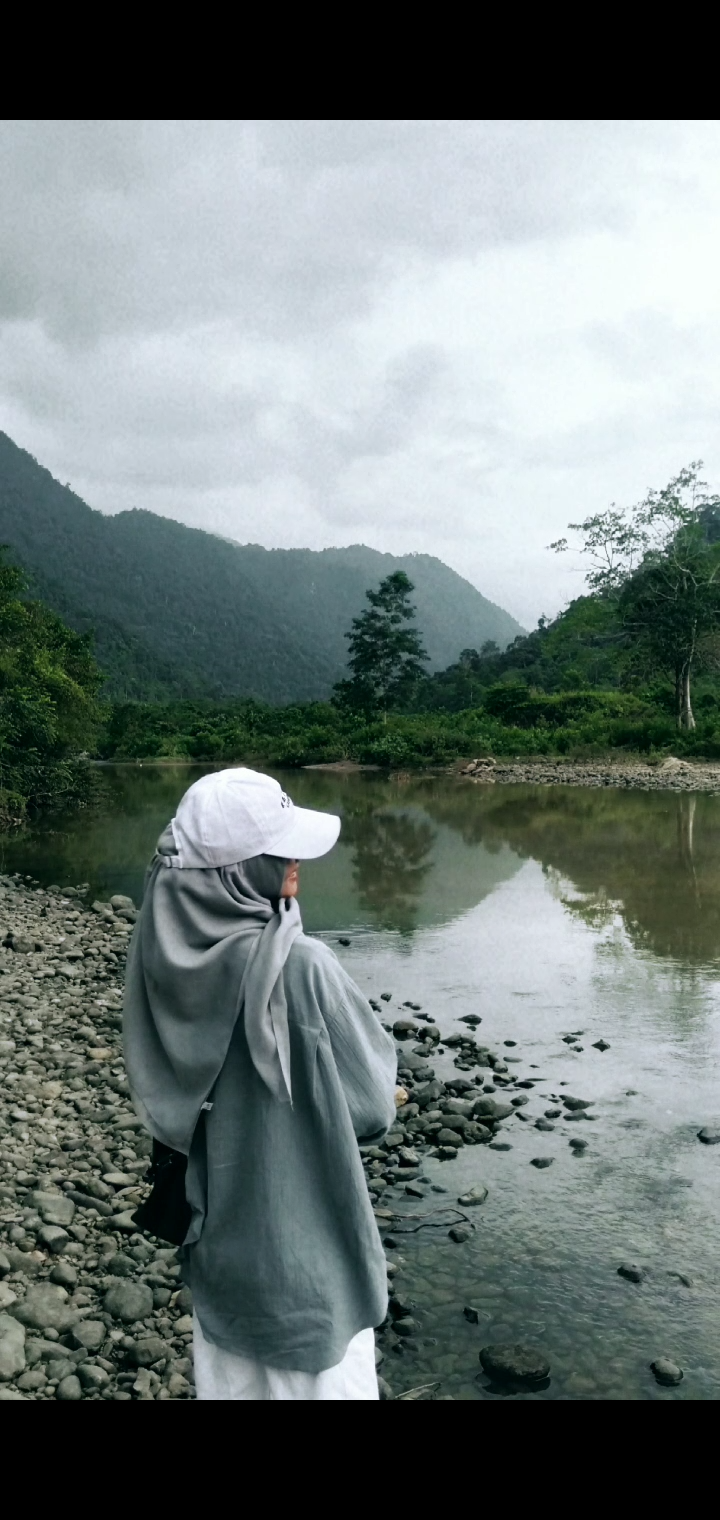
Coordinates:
column 283, row 1254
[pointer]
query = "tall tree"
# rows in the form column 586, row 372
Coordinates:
column 386, row 653
column 659, row 562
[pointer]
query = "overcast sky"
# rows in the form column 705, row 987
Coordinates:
column 445, row 336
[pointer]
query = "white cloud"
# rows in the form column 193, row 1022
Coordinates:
column 445, row 336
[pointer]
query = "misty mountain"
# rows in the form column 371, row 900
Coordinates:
column 180, row 612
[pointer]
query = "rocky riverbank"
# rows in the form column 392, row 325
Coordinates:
column 671, row 775
column 89, row 1307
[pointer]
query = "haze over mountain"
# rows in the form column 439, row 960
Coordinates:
column 180, row 612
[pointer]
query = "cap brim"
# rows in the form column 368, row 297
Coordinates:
column 310, row 835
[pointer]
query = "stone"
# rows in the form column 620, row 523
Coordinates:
column 515, row 1363
column 405, row 1326
column 92, row 1377
column 471, row 1315
column 177, row 1385
column 64, row 1274
column 578, row 1146
column 12, row 1348
column 54, row 1208
column 545, row 1126
column 129, row 1301
column 407, row 1156
column 53, row 1238
column 575, row 1105
column 69, row 1388
column 30, row 1382
column 152, row 1348
column 631, row 1272
column 709, row 1136
column 449, row 1139
column 601, row 1045
column 541, row 1162
column 119, row 901
column 666, row 1372
column 460, row 1233
column 403, row 1028
column 45, row 1307
column 7, row 1296
column 89, row 1333
column 184, row 1325
column 475, row 1196
column 58, row 1367
column 5, row 1266
column 121, row 1265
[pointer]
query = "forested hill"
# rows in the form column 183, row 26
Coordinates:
column 180, row 612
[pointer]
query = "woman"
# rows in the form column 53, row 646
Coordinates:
column 249, row 1049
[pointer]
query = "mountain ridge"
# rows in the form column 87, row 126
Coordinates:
column 179, row 611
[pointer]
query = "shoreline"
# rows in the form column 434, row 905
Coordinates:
column 671, row 775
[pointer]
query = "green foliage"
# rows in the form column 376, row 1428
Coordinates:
column 386, row 655
column 48, row 709
column 659, row 562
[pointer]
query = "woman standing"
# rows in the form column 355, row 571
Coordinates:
column 249, row 1049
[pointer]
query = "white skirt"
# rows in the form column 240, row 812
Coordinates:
column 223, row 1375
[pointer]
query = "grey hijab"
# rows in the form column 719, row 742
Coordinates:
column 207, row 944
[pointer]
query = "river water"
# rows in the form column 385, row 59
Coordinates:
column 548, row 912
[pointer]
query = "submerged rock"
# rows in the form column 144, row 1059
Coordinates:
column 666, row 1372
column 515, row 1363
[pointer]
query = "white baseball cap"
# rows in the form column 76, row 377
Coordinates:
column 237, row 814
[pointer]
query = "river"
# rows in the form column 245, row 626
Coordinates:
column 549, row 912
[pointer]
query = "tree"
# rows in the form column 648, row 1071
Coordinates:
column 48, row 687
column 386, row 655
column 659, row 563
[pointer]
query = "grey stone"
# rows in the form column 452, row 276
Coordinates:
column 90, row 1333
column 405, row 1326
column 631, row 1272
column 69, row 1388
column 545, row 1126
column 709, row 1135
column 119, row 901
column 449, row 1139
column 64, row 1274
column 471, row 1315
column 91, row 1376
column 460, row 1233
column 666, row 1372
column 476, row 1195
column 53, row 1238
column 576, row 1105
column 515, row 1363
column 129, row 1301
column 45, row 1307
column 178, row 1386
column 59, row 1367
column 121, row 1265
column 402, row 1028
column 148, row 1350
column 541, row 1162
column 5, row 1266
column 601, row 1045
column 30, row 1382
column 12, row 1347
column 54, row 1208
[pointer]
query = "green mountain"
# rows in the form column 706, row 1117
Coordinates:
column 179, row 612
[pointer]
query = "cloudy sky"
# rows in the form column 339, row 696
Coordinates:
column 446, row 336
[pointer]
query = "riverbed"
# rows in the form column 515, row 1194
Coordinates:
column 583, row 928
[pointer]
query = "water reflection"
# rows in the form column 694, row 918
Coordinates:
column 392, row 855
column 424, row 851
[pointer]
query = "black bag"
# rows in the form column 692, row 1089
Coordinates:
column 166, row 1213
